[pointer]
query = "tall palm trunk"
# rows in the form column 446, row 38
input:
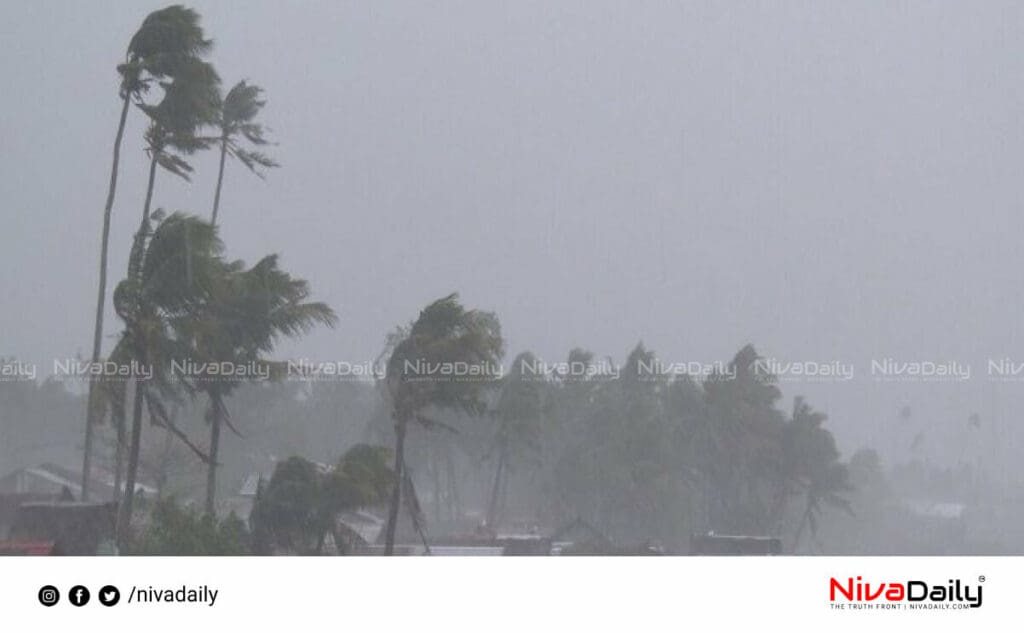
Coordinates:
column 163, row 474
column 125, row 515
column 804, row 520
column 220, row 179
column 401, row 426
column 496, row 490
column 97, row 335
column 139, row 241
column 163, row 471
column 149, row 187
column 211, row 472
column 454, row 506
column 119, row 452
column 434, row 466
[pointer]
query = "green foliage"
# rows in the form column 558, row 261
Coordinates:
column 172, row 271
column 297, row 509
column 520, row 403
column 246, row 312
column 167, row 39
column 444, row 334
column 190, row 103
column 290, row 508
column 174, row 530
column 362, row 478
column 661, row 456
column 811, row 461
column 518, row 412
column 237, row 121
column 168, row 51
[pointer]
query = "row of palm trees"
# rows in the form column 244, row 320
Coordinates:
column 634, row 454
column 181, row 299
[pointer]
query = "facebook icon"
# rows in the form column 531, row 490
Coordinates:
column 79, row 596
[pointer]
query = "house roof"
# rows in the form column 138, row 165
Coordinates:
column 736, row 545
column 76, row 528
column 579, row 531
column 27, row 548
column 65, row 478
column 366, row 526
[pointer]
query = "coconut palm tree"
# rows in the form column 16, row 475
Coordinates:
column 249, row 311
column 236, row 121
column 174, row 133
column 518, row 412
column 155, row 53
column 811, row 456
column 172, row 271
column 445, row 336
column 736, row 443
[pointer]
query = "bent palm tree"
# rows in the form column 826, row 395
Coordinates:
column 812, row 458
column 189, row 104
column 156, row 51
column 247, row 314
column 236, row 121
column 518, row 434
column 444, row 335
column 172, row 271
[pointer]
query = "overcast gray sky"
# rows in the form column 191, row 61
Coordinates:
column 826, row 180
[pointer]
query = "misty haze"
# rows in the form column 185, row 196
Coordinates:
column 596, row 278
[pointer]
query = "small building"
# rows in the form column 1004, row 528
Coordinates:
column 10, row 502
column 52, row 479
column 66, row 528
column 580, row 538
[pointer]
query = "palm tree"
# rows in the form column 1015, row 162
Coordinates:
column 444, row 335
column 518, row 410
column 155, row 53
column 296, row 510
column 172, row 270
column 236, row 121
column 736, row 442
column 247, row 314
column 809, row 450
column 189, row 103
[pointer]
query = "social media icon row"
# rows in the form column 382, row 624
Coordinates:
column 79, row 595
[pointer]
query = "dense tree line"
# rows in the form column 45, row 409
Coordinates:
column 638, row 453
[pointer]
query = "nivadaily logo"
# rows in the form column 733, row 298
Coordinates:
column 909, row 594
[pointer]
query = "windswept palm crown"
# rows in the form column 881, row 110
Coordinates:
column 237, row 123
column 168, row 39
